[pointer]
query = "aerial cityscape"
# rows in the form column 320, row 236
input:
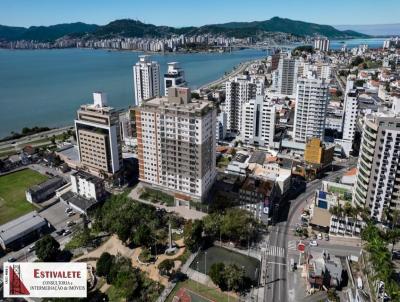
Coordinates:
column 199, row 152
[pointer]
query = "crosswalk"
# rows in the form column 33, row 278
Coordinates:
column 272, row 250
column 292, row 245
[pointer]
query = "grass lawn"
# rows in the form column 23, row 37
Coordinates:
column 12, row 193
column 202, row 290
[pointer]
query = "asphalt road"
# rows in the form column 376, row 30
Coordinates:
column 33, row 137
column 276, row 288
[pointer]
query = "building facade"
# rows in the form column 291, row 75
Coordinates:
column 237, row 92
column 87, row 185
column 258, row 122
column 176, row 144
column 377, row 186
column 286, row 76
column 311, row 106
column 321, row 44
column 146, row 79
column 98, row 136
column 175, row 77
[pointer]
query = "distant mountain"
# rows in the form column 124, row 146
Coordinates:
column 374, row 30
column 298, row 28
column 134, row 28
column 45, row 33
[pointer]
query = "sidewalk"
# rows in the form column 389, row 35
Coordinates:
column 183, row 211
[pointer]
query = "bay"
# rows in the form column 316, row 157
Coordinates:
column 46, row 87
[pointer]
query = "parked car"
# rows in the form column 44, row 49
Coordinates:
column 60, row 232
column 313, row 243
column 67, row 210
column 70, row 223
column 67, row 232
column 319, row 236
column 12, row 259
column 327, row 237
column 396, row 254
column 31, row 248
column 70, row 214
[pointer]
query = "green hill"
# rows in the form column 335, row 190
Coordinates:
column 134, row 28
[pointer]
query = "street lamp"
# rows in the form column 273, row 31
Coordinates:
column 205, row 263
column 198, row 280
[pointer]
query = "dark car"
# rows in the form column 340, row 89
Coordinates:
column 60, row 232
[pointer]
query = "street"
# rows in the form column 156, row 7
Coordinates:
column 277, row 272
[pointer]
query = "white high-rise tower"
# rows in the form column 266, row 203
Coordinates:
column 146, row 78
column 311, row 105
column 175, row 77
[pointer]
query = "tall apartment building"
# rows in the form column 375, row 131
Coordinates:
column 146, row 79
column 377, row 186
column 176, row 144
column 311, row 105
column 98, row 136
column 350, row 115
column 220, row 130
column 258, row 122
column 237, row 91
column 175, row 77
column 285, row 77
column 322, row 70
column 321, row 44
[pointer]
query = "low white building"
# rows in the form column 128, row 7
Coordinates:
column 87, row 185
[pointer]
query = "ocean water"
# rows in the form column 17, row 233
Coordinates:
column 45, row 87
column 351, row 43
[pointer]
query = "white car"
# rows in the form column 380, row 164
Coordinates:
column 313, row 243
column 70, row 223
column 67, row 210
column 67, row 232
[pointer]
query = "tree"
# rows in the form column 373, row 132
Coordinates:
column 216, row 273
column 192, row 235
column 238, row 225
column 357, row 61
column 195, row 95
column 332, row 295
column 165, row 266
column 142, row 236
column 104, row 264
column 47, row 249
column 234, row 277
column 53, row 140
column 212, row 225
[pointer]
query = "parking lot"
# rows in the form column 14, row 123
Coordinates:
column 57, row 216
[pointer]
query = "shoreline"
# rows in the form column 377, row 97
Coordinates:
column 13, row 142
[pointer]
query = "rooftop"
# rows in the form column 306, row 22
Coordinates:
column 321, row 217
column 87, row 176
column 78, row 201
column 256, row 185
column 240, row 157
column 48, row 183
column 257, row 157
column 16, row 228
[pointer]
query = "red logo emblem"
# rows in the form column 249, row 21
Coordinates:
column 17, row 287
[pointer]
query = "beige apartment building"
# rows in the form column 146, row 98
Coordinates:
column 176, row 144
column 98, row 136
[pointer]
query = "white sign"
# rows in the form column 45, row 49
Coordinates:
column 45, row 279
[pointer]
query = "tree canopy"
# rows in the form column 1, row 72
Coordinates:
column 47, row 249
